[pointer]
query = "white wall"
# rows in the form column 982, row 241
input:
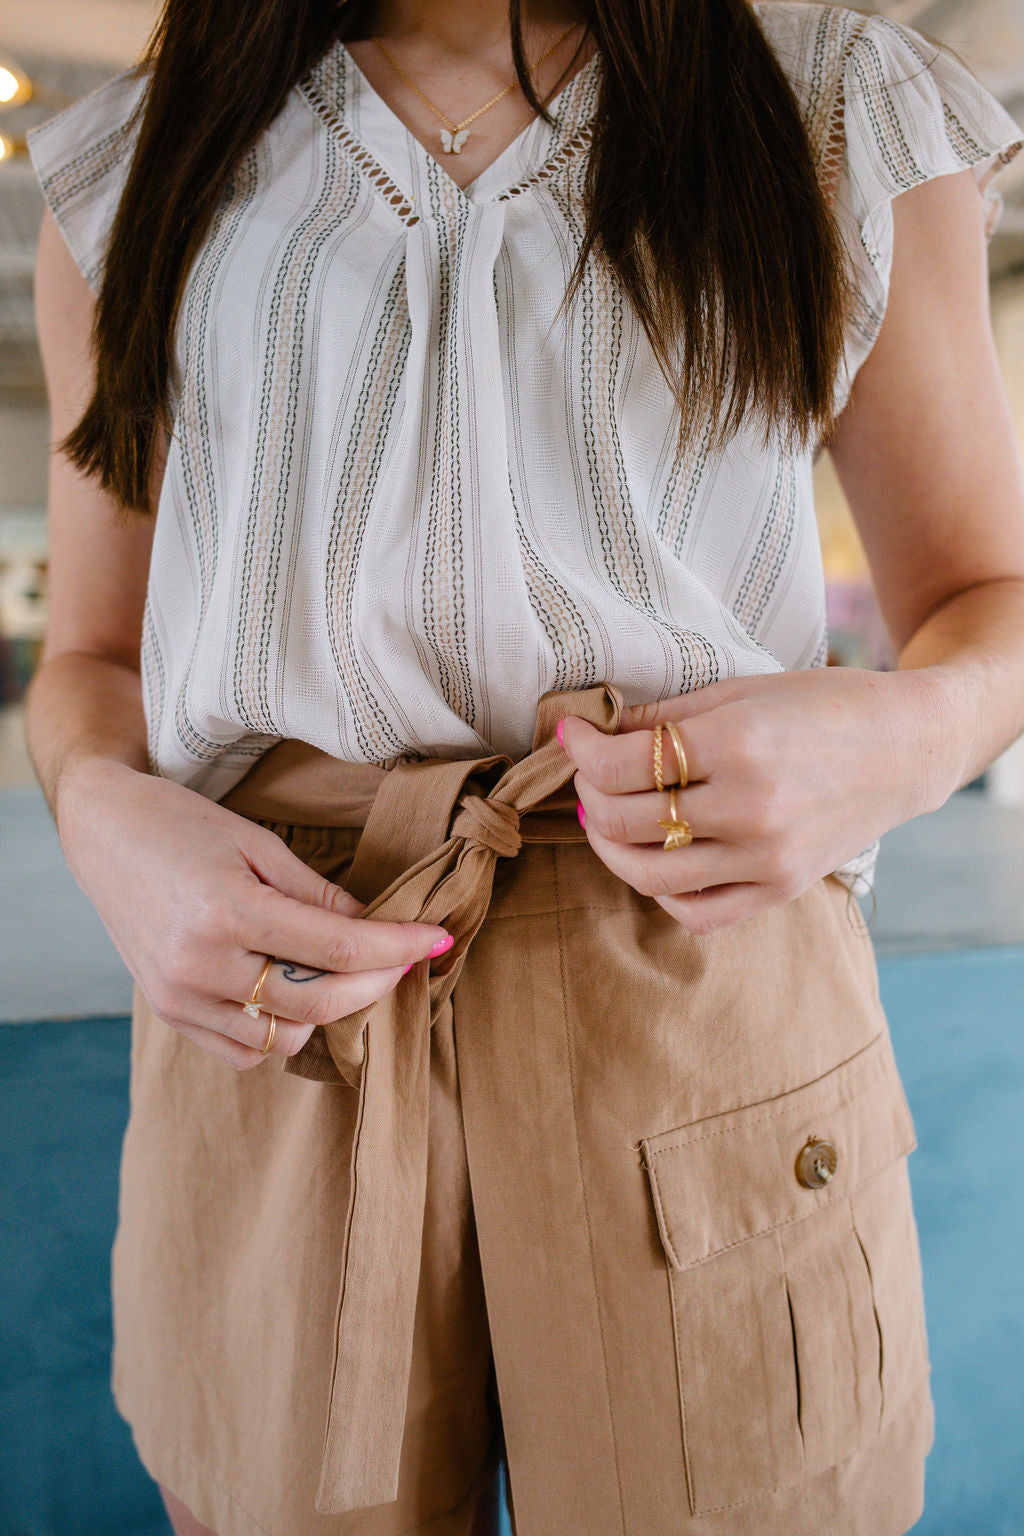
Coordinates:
column 24, row 443
column 107, row 31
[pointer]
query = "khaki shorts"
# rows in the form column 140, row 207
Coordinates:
column 635, row 1280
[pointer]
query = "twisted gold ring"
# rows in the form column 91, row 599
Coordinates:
column 271, row 1032
column 659, row 782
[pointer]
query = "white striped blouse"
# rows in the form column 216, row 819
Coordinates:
column 405, row 496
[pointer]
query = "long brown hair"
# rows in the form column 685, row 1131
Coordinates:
column 702, row 198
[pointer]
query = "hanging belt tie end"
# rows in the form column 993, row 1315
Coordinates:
column 446, row 881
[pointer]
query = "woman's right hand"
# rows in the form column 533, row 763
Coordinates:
column 196, row 898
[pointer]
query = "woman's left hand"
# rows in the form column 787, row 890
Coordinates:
column 790, row 775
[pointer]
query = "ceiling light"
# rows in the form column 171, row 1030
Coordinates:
column 15, row 86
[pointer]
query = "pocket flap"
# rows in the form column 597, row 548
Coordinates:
column 728, row 1178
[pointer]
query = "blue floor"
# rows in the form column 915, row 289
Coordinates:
column 958, row 1027
column 67, row 1467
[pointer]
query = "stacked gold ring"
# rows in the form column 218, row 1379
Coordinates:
column 677, row 742
column 678, row 831
column 252, row 1004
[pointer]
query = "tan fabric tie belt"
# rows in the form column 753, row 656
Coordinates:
column 427, row 853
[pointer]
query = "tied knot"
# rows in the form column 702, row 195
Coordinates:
column 490, row 822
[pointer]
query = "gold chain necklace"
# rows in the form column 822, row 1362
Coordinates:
column 454, row 135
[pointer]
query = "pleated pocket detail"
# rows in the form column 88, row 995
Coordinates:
column 794, row 1276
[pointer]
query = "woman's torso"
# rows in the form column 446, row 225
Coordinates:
column 406, row 493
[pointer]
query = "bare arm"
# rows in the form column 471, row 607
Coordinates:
column 84, row 701
column 193, row 896
column 927, row 455
column 794, row 774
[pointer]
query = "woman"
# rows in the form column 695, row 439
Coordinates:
column 473, row 359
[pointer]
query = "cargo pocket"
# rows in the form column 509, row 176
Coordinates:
column 795, row 1278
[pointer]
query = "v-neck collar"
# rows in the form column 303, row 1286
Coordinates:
column 339, row 91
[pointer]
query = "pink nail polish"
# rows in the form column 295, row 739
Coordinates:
column 407, row 968
column 560, row 732
column 441, row 946
column 581, row 813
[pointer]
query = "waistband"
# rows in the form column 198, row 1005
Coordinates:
column 433, row 830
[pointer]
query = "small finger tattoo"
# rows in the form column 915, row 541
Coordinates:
column 299, row 973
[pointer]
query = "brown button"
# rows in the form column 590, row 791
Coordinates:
column 816, row 1163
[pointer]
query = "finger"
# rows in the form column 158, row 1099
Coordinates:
column 704, row 911
column 624, row 764
column 227, row 1019
column 327, row 941
column 686, row 706
column 664, row 871
column 308, row 997
column 296, row 1018
column 275, row 864
column 229, row 1051
column 229, row 1022
column 633, row 819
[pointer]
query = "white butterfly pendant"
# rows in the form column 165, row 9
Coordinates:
column 452, row 143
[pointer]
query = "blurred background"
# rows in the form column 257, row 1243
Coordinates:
column 949, row 927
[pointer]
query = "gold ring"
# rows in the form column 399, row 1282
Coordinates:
column 677, row 742
column 271, row 1032
column 659, row 782
column 252, row 1005
column 678, row 832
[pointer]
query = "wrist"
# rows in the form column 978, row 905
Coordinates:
column 936, row 721
column 86, row 778
column 83, row 714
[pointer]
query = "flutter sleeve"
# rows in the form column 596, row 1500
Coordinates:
column 910, row 112
column 81, row 158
